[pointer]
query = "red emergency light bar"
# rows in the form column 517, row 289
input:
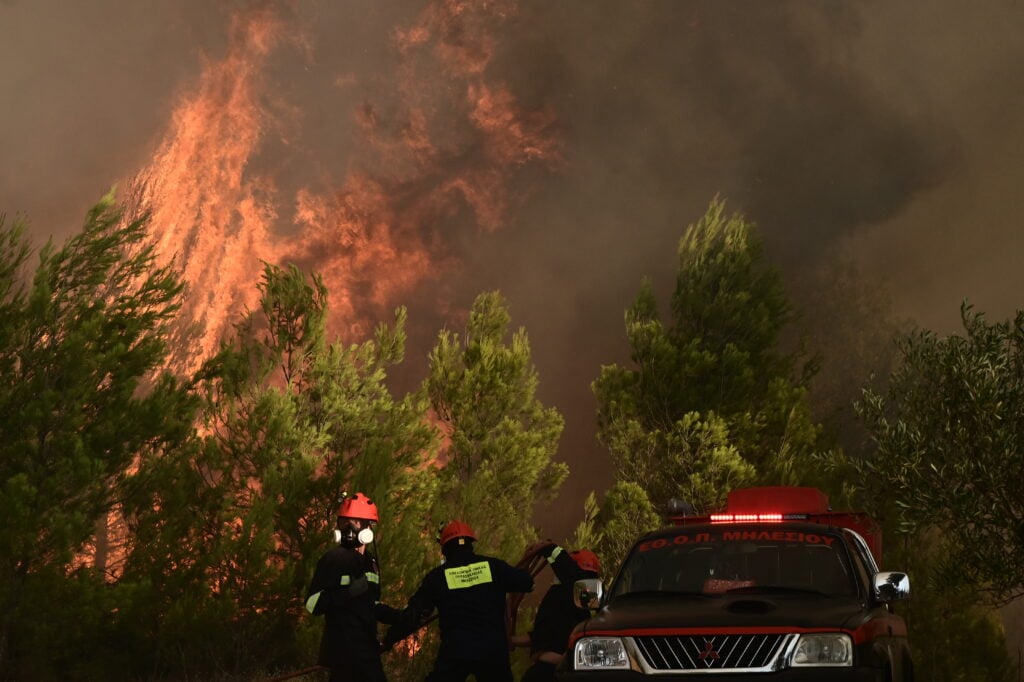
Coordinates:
column 746, row 505
column 756, row 518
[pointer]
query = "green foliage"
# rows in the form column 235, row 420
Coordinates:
column 220, row 526
column 710, row 403
column 952, row 636
column 79, row 636
column 950, row 437
column 291, row 422
column 693, row 459
column 79, row 351
column 498, row 460
column 609, row 529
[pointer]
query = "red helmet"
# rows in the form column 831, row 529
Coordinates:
column 455, row 529
column 586, row 560
column 358, row 506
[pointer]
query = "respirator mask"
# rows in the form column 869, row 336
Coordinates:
column 352, row 533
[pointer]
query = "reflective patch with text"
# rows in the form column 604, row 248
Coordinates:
column 468, row 575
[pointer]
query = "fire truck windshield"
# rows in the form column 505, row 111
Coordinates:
column 738, row 560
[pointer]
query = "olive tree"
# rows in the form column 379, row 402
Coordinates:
column 949, row 431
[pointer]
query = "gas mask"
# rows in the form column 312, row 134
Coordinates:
column 353, row 534
column 365, row 536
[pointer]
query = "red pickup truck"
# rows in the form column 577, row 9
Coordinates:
column 777, row 587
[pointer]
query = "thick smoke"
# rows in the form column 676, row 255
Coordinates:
column 890, row 132
column 890, row 135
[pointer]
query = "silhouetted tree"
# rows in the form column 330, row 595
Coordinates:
column 83, row 399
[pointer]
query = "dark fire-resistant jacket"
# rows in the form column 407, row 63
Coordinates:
column 557, row 615
column 468, row 591
column 345, row 590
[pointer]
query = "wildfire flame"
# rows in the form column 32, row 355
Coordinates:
column 445, row 153
column 206, row 212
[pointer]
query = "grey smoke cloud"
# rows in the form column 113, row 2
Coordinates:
column 892, row 132
column 889, row 134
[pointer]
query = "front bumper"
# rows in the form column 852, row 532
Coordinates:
column 788, row 675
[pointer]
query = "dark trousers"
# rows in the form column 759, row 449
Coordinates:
column 362, row 670
column 539, row 672
column 449, row 670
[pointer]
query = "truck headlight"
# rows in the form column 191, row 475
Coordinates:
column 823, row 649
column 601, row 653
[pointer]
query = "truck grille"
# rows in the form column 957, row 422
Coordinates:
column 710, row 652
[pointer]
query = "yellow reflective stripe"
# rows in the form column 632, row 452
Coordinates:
column 345, row 580
column 311, row 602
column 468, row 575
column 373, row 578
column 554, row 555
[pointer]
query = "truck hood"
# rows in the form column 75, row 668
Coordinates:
column 653, row 611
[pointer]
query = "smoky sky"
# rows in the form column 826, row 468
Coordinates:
column 891, row 133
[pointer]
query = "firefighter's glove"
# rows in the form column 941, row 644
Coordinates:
column 547, row 549
column 391, row 638
column 542, row 547
column 386, row 614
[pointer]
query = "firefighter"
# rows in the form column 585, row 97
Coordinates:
column 468, row 591
column 346, row 590
column 557, row 615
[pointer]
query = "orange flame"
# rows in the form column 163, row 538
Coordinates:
column 446, row 151
column 205, row 212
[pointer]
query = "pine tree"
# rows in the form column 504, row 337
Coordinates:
column 82, row 398
column 292, row 421
column 500, row 440
column 710, row 403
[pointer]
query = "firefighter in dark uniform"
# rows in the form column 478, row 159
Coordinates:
column 557, row 615
column 468, row 590
column 345, row 590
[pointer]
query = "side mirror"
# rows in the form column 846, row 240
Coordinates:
column 587, row 593
column 891, row 586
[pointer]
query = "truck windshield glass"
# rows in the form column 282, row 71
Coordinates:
column 738, row 560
